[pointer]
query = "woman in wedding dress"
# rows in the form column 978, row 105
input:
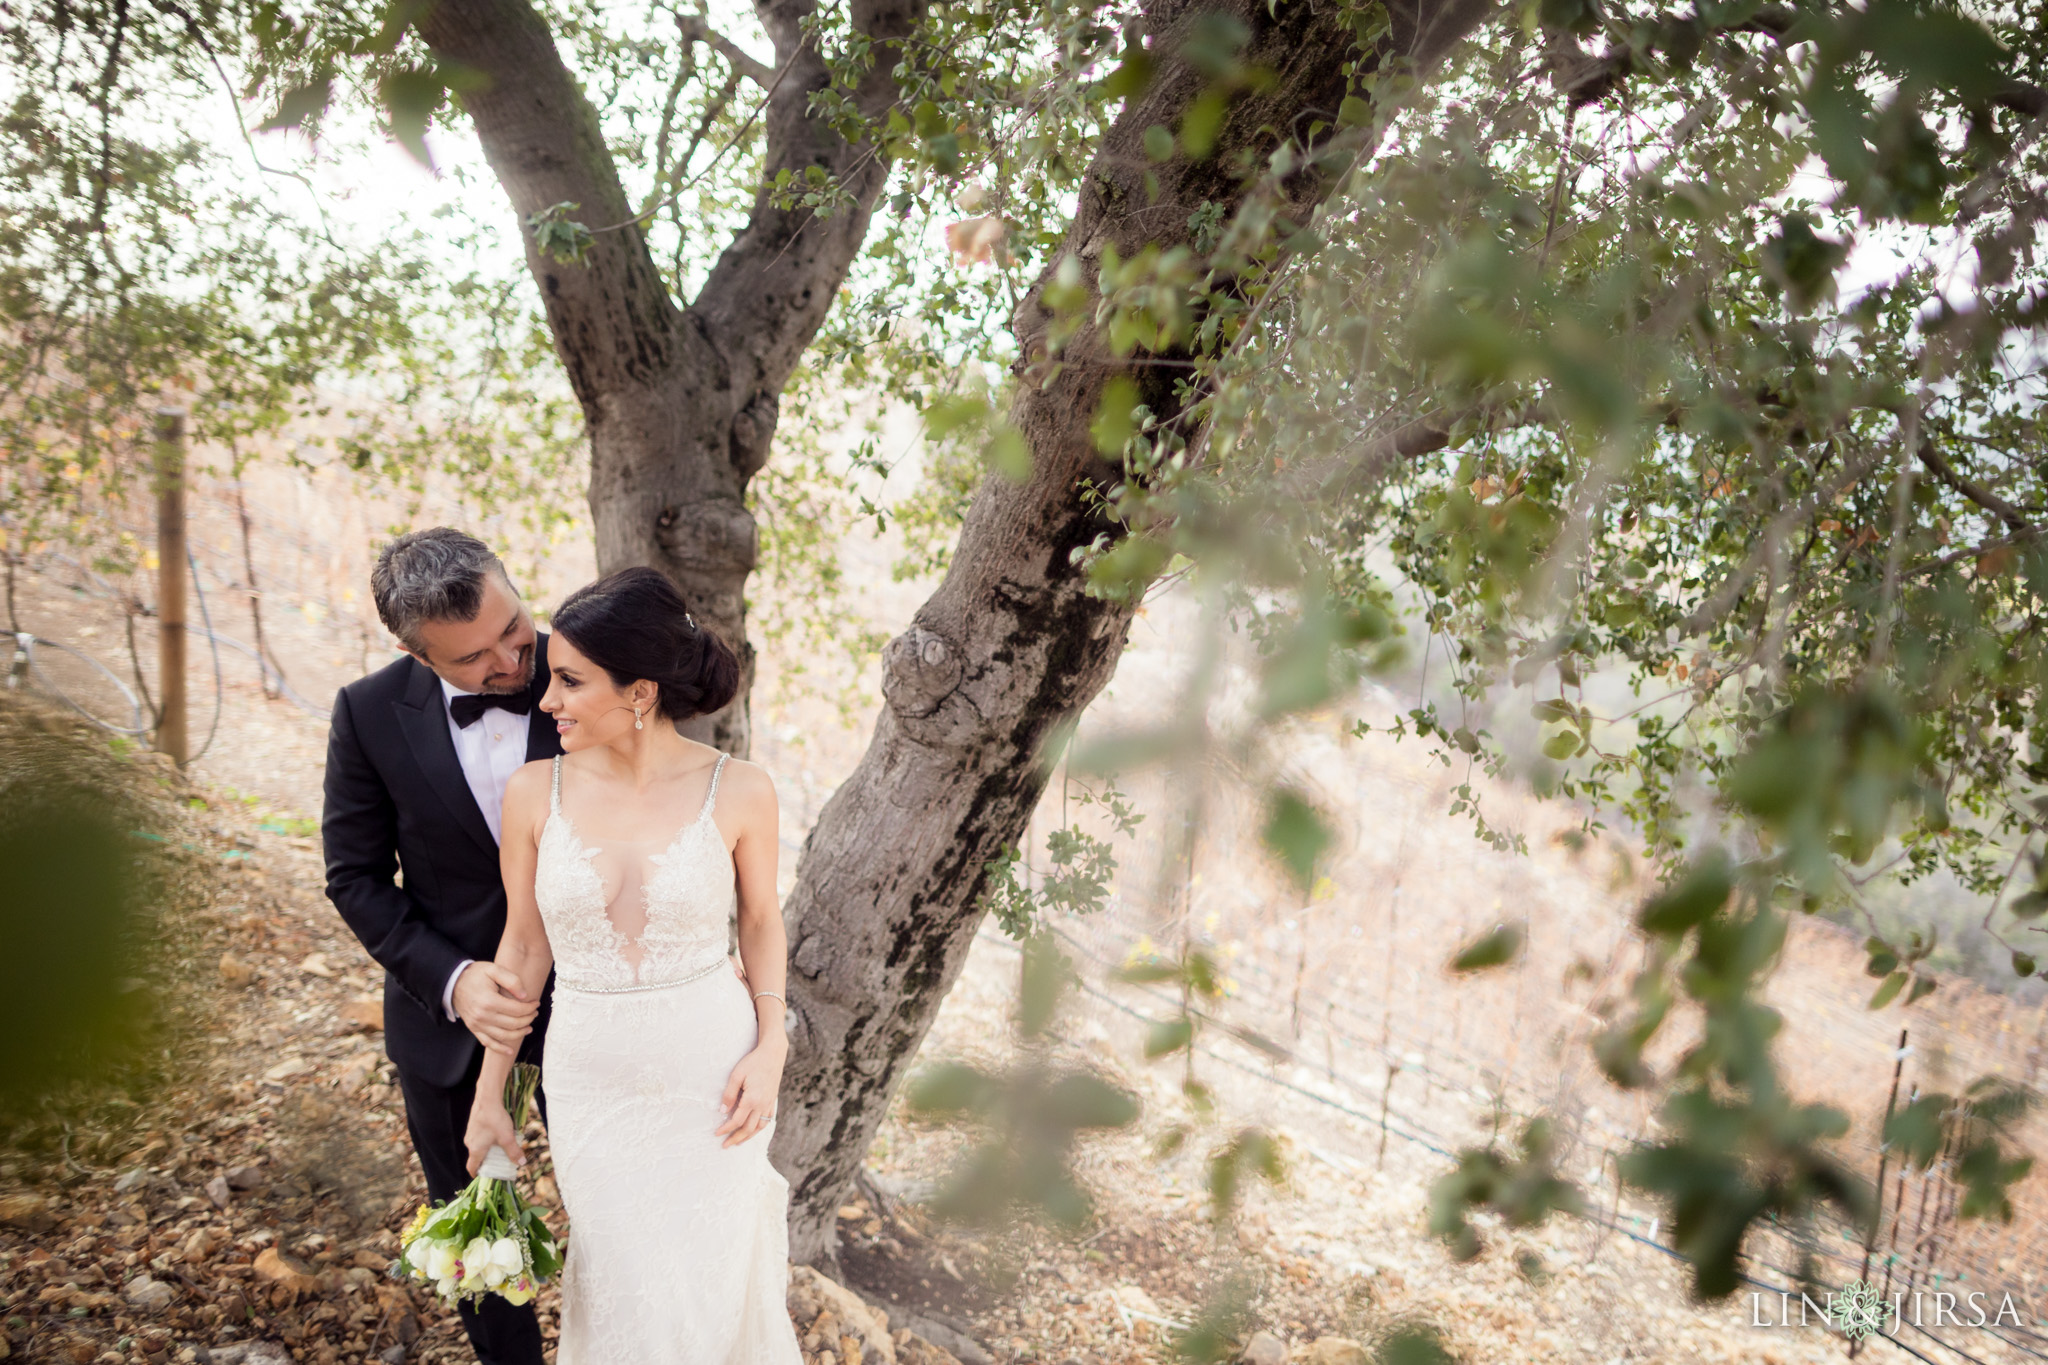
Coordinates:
column 623, row 860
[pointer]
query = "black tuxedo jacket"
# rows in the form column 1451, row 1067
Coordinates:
column 396, row 799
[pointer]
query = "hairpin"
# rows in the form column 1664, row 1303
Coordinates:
column 691, row 619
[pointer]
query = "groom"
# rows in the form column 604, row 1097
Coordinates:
column 418, row 755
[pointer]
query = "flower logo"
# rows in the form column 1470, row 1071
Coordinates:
column 1858, row 1310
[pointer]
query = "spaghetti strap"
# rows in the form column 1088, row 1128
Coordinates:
column 711, row 796
column 555, row 791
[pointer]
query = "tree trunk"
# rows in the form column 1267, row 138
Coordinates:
column 681, row 402
column 1011, row 646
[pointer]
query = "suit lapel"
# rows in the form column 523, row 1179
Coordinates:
column 542, row 740
column 423, row 718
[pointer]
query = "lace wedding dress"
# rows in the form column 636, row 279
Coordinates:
column 678, row 1247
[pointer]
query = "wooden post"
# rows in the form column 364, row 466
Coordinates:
column 1884, row 1152
column 171, row 735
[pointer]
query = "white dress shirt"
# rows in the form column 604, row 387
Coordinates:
column 490, row 750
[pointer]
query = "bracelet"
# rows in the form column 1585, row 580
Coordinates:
column 772, row 996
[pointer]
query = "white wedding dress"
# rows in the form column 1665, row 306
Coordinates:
column 678, row 1247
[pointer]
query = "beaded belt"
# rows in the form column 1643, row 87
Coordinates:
column 698, row 975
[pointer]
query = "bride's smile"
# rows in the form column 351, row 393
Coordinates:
column 589, row 710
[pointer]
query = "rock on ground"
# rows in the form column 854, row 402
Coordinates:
column 835, row 1326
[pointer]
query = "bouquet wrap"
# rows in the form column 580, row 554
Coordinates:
column 496, row 1166
column 486, row 1240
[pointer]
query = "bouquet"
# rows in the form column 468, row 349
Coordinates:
column 487, row 1240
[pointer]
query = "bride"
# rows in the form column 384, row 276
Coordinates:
column 623, row 860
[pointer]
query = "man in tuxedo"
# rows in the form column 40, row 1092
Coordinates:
column 418, row 756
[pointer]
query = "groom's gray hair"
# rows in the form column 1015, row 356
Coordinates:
column 431, row 575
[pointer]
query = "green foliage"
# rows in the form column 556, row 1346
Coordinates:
column 1824, row 777
column 1078, row 878
column 1492, row 949
column 1251, row 1152
column 1977, row 1128
column 1002, row 445
column 1322, row 654
column 1747, row 525
column 1221, row 1324
column 1201, row 983
column 69, row 996
column 1296, row 834
column 1413, row 1343
column 1737, row 1147
column 141, row 266
column 111, row 990
column 1700, row 892
column 1029, row 1116
column 1733, row 1163
column 1521, row 1186
column 557, row 236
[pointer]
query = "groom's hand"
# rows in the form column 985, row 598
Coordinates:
column 491, row 1005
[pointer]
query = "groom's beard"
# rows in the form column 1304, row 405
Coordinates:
column 507, row 684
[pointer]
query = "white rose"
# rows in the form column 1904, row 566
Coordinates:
column 440, row 1262
column 476, row 1259
column 506, row 1262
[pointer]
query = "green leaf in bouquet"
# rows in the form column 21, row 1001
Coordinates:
column 540, row 1244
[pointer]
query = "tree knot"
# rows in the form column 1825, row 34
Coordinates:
column 920, row 669
column 717, row 536
column 752, row 432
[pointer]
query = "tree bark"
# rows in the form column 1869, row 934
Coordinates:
column 681, row 401
column 1011, row 647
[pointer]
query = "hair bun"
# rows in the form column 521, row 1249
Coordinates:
column 634, row 624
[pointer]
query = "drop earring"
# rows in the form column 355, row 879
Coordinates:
column 637, row 723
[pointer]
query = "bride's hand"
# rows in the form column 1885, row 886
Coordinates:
column 749, row 1099
column 490, row 1126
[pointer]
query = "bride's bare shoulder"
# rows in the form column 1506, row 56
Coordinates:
column 526, row 797
column 745, row 786
column 530, row 777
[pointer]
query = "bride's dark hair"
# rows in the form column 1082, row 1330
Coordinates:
column 634, row 624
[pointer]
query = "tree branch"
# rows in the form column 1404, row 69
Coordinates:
column 1014, row 645
column 1347, row 473
column 769, row 292
column 1977, row 551
column 696, row 30
column 1583, row 77
column 612, row 318
column 2022, row 98
column 1983, row 497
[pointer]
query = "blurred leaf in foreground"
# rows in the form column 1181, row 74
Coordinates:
column 1029, row 1115
column 67, row 915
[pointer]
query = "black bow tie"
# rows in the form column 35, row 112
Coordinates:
column 467, row 706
